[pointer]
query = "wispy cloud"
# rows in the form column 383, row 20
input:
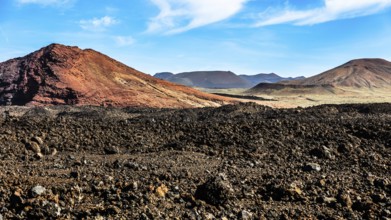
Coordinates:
column 332, row 10
column 124, row 40
column 46, row 2
column 180, row 16
column 98, row 24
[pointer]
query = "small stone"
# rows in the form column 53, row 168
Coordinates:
column 108, row 179
column 329, row 200
column 378, row 198
column 16, row 198
column 381, row 183
column 53, row 209
column 74, row 174
column 54, row 152
column 45, row 150
column 1, row 217
column 312, row 167
column 161, row 190
column 39, row 156
column 111, row 150
column 99, row 217
column 117, row 164
column 37, row 140
column 322, row 182
column 113, row 209
column 37, row 190
column 362, row 205
column 132, row 165
column 216, row 191
column 386, row 212
column 27, row 208
column 144, row 216
column 135, row 185
column 345, row 200
column 33, row 146
column 246, row 215
column 297, row 190
column 208, row 216
column 322, row 152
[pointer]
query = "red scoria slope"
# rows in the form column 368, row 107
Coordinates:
column 59, row 74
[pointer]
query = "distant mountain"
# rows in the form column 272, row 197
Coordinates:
column 58, row 75
column 286, row 89
column 220, row 79
column 267, row 78
column 360, row 73
column 208, row 79
column 164, row 75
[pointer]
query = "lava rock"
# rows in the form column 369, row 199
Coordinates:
column 37, row 139
column 216, row 191
column 16, row 199
column 344, row 199
column 245, row 215
column 322, row 152
column 37, row 190
column 111, row 150
column 312, row 167
column 74, row 174
column 33, row 146
column 161, row 190
column 46, row 150
column 39, row 156
column 113, row 210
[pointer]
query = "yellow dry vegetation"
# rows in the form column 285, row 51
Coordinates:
column 347, row 96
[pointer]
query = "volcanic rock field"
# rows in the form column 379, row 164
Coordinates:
column 242, row 161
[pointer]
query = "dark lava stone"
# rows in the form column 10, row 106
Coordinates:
column 215, row 191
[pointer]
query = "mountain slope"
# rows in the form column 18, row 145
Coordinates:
column 221, row 79
column 59, row 74
column 360, row 73
column 266, row 78
column 208, row 79
column 164, row 75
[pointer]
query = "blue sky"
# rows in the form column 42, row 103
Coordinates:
column 288, row 37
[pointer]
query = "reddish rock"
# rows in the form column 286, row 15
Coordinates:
column 59, row 74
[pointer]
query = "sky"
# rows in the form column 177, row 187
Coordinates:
column 287, row 37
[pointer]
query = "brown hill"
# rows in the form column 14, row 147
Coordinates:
column 360, row 73
column 59, row 74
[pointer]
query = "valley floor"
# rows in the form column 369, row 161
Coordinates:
column 288, row 99
column 242, row 161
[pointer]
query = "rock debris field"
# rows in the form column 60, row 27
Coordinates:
column 242, row 161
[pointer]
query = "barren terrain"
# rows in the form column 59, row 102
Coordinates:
column 291, row 99
column 233, row 162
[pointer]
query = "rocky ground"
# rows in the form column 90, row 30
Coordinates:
column 234, row 162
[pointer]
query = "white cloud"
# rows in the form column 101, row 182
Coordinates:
column 46, row 2
column 98, row 24
column 332, row 10
column 182, row 15
column 124, row 40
